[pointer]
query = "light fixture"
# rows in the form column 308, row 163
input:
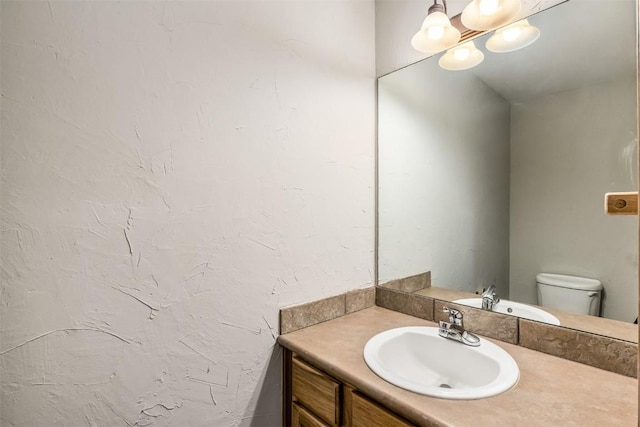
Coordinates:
column 513, row 37
column 461, row 57
column 484, row 15
column 437, row 33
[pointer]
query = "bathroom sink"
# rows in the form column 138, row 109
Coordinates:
column 416, row 358
column 514, row 309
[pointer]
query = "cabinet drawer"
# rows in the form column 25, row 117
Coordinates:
column 316, row 391
column 300, row 417
column 365, row 413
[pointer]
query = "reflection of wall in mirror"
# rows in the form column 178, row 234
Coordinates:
column 444, row 187
column 567, row 150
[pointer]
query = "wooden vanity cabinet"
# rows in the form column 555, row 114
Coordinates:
column 366, row 413
column 316, row 391
column 300, row 417
column 314, row 399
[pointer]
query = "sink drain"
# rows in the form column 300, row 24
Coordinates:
column 444, row 386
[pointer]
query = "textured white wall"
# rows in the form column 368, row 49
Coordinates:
column 172, row 174
column 568, row 150
column 443, row 178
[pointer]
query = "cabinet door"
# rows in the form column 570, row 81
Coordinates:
column 365, row 413
column 316, row 391
column 300, row 417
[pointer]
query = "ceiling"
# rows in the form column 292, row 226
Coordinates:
column 455, row 7
column 582, row 42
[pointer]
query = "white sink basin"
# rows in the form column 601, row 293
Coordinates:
column 514, row 309
column 416, row 358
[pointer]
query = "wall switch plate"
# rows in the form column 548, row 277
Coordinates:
column 621, row 203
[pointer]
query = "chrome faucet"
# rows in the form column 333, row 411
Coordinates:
column 490, row 298
column 454, row 329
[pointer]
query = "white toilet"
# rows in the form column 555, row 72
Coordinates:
column 569, row 293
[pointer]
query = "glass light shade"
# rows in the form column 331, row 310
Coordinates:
column 437, row 34
column 461, row 57
column 483, row 15
column 513, row 37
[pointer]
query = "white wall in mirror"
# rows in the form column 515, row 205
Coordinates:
column 444, row 187
column 567, row 150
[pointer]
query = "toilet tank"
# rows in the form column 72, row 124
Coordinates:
column 569, row 293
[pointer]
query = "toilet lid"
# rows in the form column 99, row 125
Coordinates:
column 572, row 282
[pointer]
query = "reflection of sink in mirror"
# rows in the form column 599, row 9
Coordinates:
column 515, row 309
column 417, row 359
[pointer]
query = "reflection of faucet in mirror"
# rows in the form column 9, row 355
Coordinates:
column 454, row 329
column 490, row 298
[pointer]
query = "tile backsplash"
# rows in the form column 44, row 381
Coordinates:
column 311, row 313
column 602, row 352
column 411, row 283
column 583, row 347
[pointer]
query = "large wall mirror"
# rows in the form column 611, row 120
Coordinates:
column 497, row 173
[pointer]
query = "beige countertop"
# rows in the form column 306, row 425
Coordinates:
column 551, row 391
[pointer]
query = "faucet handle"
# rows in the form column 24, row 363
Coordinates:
column 455, row 316
column 490, row 291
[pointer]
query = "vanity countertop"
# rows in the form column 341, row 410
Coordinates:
column 551, row 391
